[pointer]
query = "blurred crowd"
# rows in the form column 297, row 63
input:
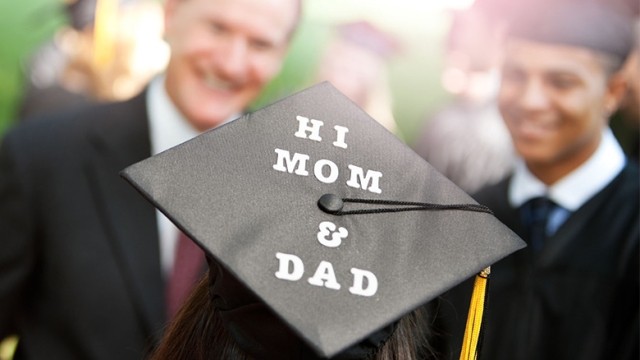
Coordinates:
column 115, row 57
column 90, row 60
column 147, row 53
column 98, row 56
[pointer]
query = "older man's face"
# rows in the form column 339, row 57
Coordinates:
column 223, row 52
column 554, row 100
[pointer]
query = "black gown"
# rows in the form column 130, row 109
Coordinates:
column 577, row 298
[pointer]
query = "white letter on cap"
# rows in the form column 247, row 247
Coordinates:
column 358, row 277
column 333, row 171
column 297, row 267
column 326, row 228
column 325, row 276
column 357, row 178
column 303, row 127
column 298, row 159
column 341, row 133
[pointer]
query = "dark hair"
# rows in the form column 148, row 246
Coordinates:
column 197, row 333
column 195, row 328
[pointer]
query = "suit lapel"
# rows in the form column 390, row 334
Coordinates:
column 120, row 139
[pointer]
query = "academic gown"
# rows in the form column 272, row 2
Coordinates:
column 577, row 298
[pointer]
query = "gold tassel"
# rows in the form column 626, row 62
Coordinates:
column 474, row 319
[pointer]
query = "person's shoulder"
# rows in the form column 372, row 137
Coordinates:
column 626, row 185
column 67, row 128
column 79, row 119
column 627, row 182
column 631, row 170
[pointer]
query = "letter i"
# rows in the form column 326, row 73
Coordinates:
column 341, row 133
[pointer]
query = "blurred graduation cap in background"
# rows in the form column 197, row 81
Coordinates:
column 365, row 34
column 321, row 217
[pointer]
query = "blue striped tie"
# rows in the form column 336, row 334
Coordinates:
column 535, row 214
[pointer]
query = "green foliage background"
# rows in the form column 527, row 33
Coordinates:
column 24, row 25
column 414, row 74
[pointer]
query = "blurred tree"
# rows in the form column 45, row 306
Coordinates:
column 23, row 26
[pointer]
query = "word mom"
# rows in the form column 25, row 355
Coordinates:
column 326, row 171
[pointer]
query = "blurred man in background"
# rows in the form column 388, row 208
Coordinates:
column 85, row 261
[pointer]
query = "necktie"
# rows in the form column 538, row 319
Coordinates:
column 535, row 215
column 187, row 268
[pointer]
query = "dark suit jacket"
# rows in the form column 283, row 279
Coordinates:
column 79, row 256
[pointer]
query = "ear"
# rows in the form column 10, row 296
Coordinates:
column 616, row 90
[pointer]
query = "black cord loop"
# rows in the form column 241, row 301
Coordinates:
column 332, row 204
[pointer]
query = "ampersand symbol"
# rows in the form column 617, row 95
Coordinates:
column 327, row 229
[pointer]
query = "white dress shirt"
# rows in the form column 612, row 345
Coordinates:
column 167, row 128
column 576, row 188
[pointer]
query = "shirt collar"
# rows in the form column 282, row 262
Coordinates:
column 167, row 126
column 573, row 190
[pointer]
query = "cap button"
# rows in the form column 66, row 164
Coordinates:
column 330, row 203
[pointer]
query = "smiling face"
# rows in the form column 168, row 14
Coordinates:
column 555, row 100
column 223, row 52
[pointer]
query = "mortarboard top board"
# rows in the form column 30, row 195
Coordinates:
column 264, row 195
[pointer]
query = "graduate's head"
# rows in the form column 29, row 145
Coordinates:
column 223, row 52
column 560, row 82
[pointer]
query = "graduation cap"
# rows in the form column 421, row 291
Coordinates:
column 593, row 25
column 324, row 217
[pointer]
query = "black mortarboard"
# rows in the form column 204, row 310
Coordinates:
column 267, row 197
column 588, row 24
